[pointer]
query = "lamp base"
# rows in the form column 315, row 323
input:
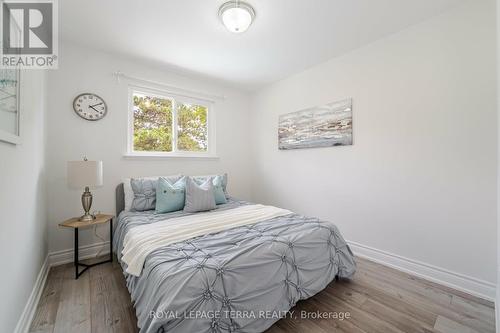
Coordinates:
column 87, row 204
column 86, row 218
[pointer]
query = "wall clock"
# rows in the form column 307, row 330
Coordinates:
column 90, row 106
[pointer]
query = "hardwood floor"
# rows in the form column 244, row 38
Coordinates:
column 97, row 302
column 379, row 300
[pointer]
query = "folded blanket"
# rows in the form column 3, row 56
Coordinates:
column 140, row 241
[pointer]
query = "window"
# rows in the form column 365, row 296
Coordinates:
column 163, row 124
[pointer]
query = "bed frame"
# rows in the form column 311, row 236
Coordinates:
column 119, row 199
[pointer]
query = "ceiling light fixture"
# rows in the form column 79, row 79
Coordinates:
column 236, row 15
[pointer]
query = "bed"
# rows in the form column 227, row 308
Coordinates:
column 241, row 279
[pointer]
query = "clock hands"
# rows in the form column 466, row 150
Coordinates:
column 93, row 106
column 89, row 106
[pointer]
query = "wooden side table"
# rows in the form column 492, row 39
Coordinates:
column 75, row 224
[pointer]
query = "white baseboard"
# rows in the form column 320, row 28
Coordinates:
column 28, row 313
column 497, row 303
column 85, row 252
column 470, row 285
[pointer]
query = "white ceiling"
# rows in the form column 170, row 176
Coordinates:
column 286, row 37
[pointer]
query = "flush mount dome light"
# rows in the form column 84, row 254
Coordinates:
column 236, row 15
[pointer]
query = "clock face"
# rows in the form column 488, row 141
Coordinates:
column 90, row 106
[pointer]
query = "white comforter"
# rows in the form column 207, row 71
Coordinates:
column 142, row 240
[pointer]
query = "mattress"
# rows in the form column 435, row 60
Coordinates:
column 237, row 280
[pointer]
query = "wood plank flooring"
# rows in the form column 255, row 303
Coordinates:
column 379, row 300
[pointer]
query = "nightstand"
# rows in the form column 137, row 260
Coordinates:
column 75, row 224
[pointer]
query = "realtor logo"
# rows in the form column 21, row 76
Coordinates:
column 29, row 34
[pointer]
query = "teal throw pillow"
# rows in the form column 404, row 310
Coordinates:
column 170, row 197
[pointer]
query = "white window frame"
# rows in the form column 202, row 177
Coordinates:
column 176, row 99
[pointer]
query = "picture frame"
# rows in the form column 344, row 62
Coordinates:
column 327, row 125
column 10, row 106
column 10, row 96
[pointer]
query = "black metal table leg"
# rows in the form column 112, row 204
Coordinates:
column 111, row 240
column 87, row 266
column 76, row 253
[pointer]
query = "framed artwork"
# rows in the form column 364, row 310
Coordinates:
column 321, row 126
column 10, row 89
column 10, row 80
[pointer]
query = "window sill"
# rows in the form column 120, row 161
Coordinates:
column 153, row 156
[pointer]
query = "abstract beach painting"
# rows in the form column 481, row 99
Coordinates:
column 322, row 126
column 9, row 105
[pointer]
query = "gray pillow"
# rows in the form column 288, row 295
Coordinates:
column 202, row 179
column 199, row 198
column 145, row 192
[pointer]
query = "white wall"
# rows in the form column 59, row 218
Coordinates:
column 497, row 303
column 420, row 179
column 23, row 222
column 70, row 137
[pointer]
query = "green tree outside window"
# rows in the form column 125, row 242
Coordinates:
column 192, row 127
column 153, row 125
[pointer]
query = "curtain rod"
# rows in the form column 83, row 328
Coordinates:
column 173, row 89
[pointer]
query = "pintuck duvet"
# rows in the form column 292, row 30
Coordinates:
column 240, row 279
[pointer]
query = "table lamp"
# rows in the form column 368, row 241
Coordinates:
column 85, row 174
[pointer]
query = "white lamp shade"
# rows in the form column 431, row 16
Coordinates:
column 84, row 173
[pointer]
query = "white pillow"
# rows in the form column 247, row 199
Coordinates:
column 129, row 193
